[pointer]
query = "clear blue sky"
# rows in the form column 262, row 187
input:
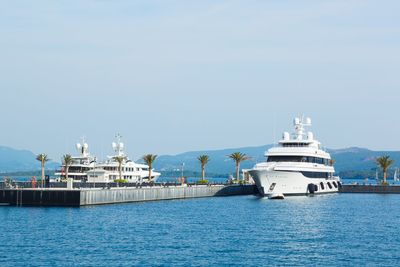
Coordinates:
column 173, row 76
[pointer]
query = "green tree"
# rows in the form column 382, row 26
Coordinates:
column 120, row 160
column 238, row 157
column 204, row 159
column 149, row 160
column 384, row 163
column 43, row 159
column 67, row 160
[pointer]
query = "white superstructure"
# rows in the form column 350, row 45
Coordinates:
column 297, row 166
column 109, row 171
column 81, row 164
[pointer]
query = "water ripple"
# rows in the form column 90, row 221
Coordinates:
column 334, row 230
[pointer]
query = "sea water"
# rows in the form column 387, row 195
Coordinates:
column 334, row 230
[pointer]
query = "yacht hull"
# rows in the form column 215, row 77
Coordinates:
column 270, row 182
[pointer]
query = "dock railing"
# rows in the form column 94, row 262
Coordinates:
column 86, row 185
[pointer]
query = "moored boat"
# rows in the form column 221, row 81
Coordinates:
column 81, row 164
column 297, row 166
column 131, row 172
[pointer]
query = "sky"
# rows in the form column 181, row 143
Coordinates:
column 175, row 76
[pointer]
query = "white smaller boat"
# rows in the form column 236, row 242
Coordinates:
column 276, row 196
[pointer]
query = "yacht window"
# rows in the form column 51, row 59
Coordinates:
column 297, row 159
column 272, row 186
column 315, row 174
column 334, row 184
column 329, row 185
column 284, row 159
column 322, row 186
column 294, row 144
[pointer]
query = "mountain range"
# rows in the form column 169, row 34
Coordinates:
column 352, row 161
column 14, row 160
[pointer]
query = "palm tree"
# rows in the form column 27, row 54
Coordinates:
column 43, row 159
column 384, row 162
column 67, row 161
column 238, row 157
column 149, row 160
column 120, row 160
column 204, row 159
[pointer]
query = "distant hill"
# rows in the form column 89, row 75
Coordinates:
column 351, row 162
column 219, row 162
column 357, row 162
column 13, row 160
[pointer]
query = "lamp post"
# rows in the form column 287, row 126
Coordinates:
column 182, row 177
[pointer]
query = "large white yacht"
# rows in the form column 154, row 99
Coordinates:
column 82, row 163
column 108, row 171
column 297, row 166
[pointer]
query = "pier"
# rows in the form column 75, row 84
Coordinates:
column 374, row 189
column 99, row 196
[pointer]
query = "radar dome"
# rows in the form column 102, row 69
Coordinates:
column 296, row 121
column 78, row 146
column 85, row 146
column 114, row 145
column 308, row 120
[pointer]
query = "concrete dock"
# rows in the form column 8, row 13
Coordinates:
column 104, row 195
column 99, row 196
column 374, row 189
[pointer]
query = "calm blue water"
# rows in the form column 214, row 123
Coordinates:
column 338, row 230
